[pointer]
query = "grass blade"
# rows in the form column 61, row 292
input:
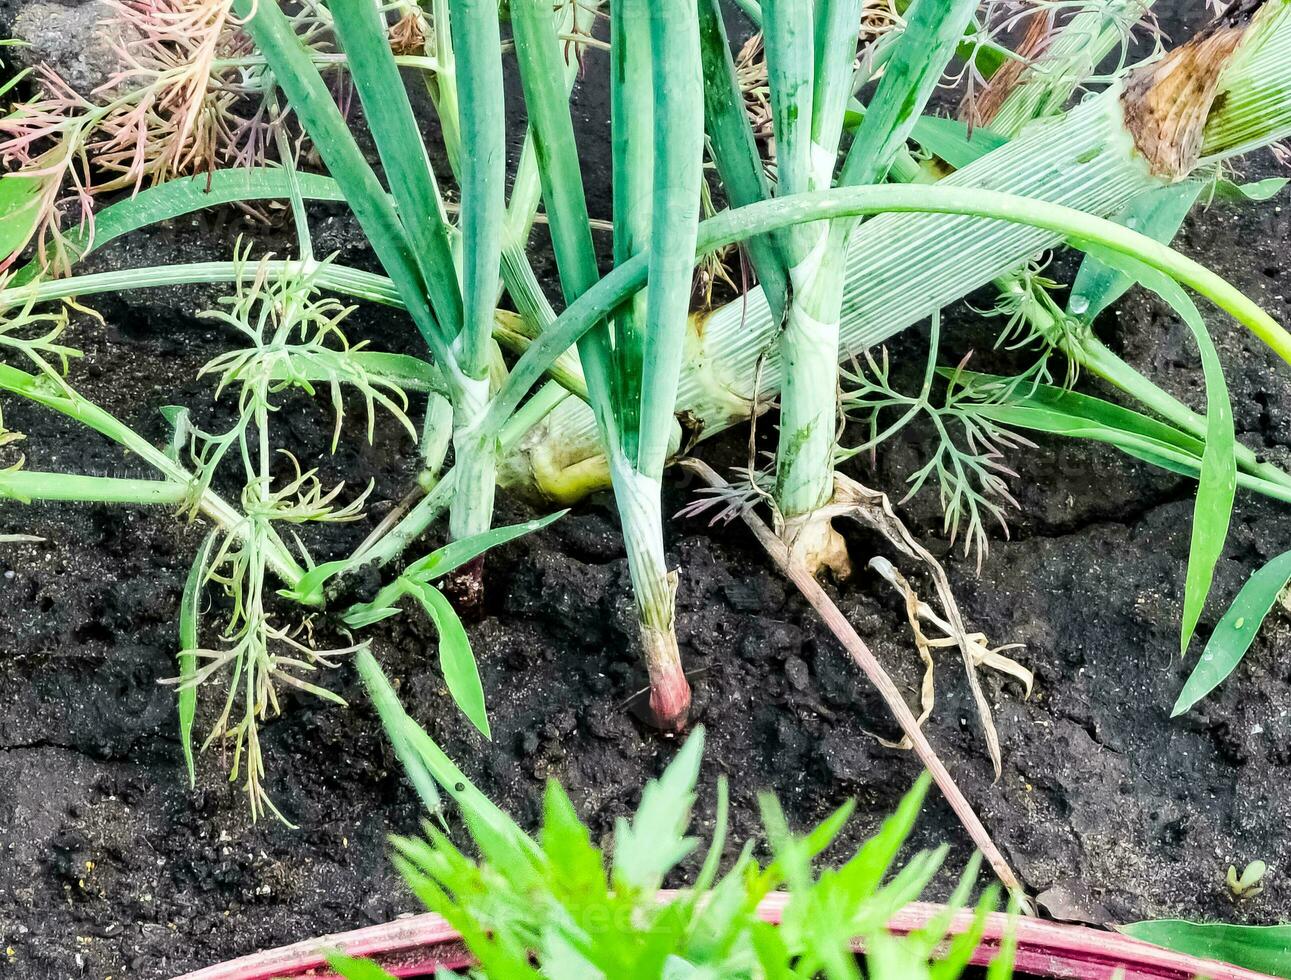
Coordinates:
column 190, row 612
column 1217, row 484
column 1235, row 632
column 456, row 659
column 455, row 554
column 427, row 756
column 1060, row 411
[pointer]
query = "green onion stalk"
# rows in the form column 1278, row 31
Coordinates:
column 900, row 267
column 631, row 361
column 658, row 148
column 810, row 50
column 408, row 225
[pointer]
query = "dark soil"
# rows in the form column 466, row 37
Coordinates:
column 1108, row 810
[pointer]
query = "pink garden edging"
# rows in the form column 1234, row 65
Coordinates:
column 417, row 946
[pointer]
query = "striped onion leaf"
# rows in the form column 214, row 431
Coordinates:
column 1236, row 631
column 728, row 227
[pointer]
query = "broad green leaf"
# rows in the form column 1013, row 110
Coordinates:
column 873, row 860
column 1217, row 484
column 946, row 138
column 1266, row 949
column 576, row 866
column 19, row 212
column 455, row 554
column 1259, row 190
column 1236, row 631
column 1157, row 213
column 950, row 140
column 356, row 969
column 456, row 660
column 190, row 611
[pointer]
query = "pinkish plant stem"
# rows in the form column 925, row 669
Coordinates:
column 417, row 946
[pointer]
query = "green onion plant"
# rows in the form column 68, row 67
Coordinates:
column 860, row 212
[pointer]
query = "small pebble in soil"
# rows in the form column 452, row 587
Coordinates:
column 796, row 671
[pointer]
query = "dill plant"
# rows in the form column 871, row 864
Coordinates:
column 853, row 237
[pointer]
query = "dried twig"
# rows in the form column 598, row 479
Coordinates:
column 866, row 660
